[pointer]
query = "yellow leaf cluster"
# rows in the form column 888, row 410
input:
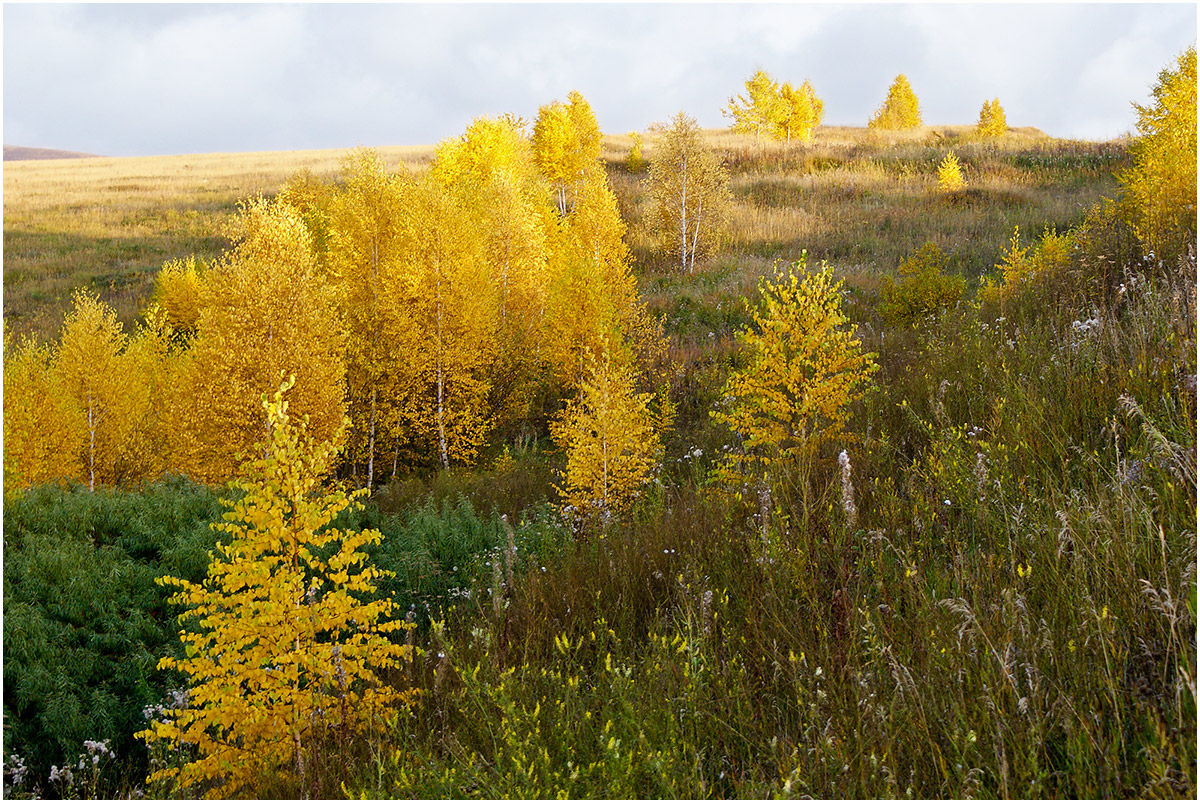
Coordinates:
column 611, row 438
column 284, row 643
column 899, row 109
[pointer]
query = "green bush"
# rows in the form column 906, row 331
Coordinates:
column 84, row 622
column 924, row 288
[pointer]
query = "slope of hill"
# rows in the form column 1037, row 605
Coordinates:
column 20, row 153
column 861, row 199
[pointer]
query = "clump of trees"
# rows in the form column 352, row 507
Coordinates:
column 1160, row 187
column 430, row 310
column 899, row 109
column 991, row 119
column 781, row 111
column 689, row 192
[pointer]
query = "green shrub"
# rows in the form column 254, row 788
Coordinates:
column 924, row 288
column 84, row 623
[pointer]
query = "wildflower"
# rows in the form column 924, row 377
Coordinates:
column 16, row 769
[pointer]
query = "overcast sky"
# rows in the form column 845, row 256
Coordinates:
column 127, row 80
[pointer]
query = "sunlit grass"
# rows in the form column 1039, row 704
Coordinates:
column 109, row 223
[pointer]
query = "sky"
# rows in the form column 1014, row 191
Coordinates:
column 146, row 79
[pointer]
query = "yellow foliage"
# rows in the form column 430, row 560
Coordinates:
column 366, row 239
column 442, row 320
column 99, row 383
column 635, row 162
column 491, row 172
column 284, row 643
column 566, row 146
column 805, row 368
column 266, row 309
column 950, row 177
column 991, row 119
column 799, row 112
column 1160, row 188
column 900, row 109
column 42, row 430
column 688, row 187
column 1022, row 265
column 611, row 439
column 924, row 288
column 591, row 296
column 179, row 292
column 759, row 109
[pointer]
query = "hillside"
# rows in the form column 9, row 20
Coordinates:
column 19, row 153
column 919, row 525
column 858, row 198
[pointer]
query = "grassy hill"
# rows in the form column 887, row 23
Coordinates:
column 991, row 595
column 21, row 153
column 861, row 199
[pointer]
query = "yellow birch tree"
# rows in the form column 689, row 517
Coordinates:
column 442, row 304
column 365, row 238
column 688, row 187
column 284, row 642
column 42, row 429
column 90, row 370
column 899, row 109
column 758, row 110
column 1160, row 187
column 611, row 439
column 805, row 368
column 265, row 309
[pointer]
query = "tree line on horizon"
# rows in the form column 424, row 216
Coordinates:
column 786, row 113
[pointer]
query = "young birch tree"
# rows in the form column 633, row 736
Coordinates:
column 286, row 644
column 443, row 312
column 1160, row 187
column 89, row 368
column 688, row 186
column 991, row 119
column 758, row 110
column 42, row 429
column 490, row 171
column 611, row 439
column 566, row 146
column 899, row 109
column 805, row 368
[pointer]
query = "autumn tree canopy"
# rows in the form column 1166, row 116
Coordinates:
column 1160, row 188
column 899, row 109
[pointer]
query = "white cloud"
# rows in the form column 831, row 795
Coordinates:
column 167, row 79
